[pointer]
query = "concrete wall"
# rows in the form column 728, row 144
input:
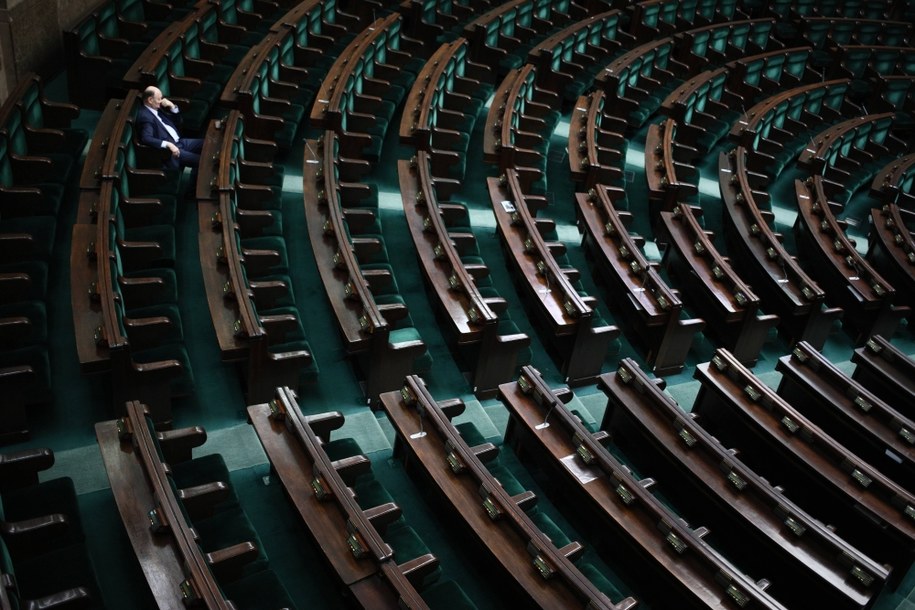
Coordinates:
column 30, row 36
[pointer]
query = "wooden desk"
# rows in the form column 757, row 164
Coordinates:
column 849, row 412
column 683, row 569
column 528, row 559
column 868, row 509
column 782, row 283
column 759, row 525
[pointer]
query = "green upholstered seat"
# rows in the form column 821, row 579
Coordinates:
column 56, row 496
column 509, row 482
column 257, row 590
column 603, row 584
column 34, row 356
column 200, row 470
column 340, row 448
column 369, row 492
column 407, row 335
column 38, row 237
column 45, row 574
column 447, row 595
column 181, row 385
column 35, row 281
column 549, row 527
column 33, row 332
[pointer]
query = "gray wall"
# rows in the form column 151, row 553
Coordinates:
column 30, row 36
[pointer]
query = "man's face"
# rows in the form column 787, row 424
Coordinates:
column 155, row 100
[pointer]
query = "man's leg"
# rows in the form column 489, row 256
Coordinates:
column 190, row 151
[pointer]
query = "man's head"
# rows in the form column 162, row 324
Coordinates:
column 152, row 97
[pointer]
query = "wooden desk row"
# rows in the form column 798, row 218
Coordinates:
column 152, row 509
column 369, row 330
column 652, row 310
column 536, row 570
column 779, row 278
column 675, row 563
column 477, row 322
column 849, row 280
column 757, row 524
column 865, row 507
column 712, row 287
column 568, row 320
column 350, row 536
column 849, row 412
column 597, row 143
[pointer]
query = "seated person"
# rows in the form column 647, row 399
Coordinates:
column 157, row 124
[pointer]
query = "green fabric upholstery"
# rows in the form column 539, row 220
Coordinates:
column 369, row 492
column 603, row 584
column 340, row 448
column 182, row 384
column 65, row 568
column 57, row 496
column 41, row 229
column 259, row 590
column 200, row 470
column 447, row 595
column 35, row 356
column 509, row 482
column 406, row 335
column 37, row 274
column 549, row 527
column 36, row 313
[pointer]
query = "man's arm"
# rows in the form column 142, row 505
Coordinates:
column 147, row 132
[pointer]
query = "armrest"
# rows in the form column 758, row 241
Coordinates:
column 228, row 562
column 176, row 445
column 212, row 51
column 200, row 500
column 35, row 532
column 16, row 246
column 323, row 424
column 136, row 254
column 111, row 48
column 147, row 332
column 278, row 326
column 21, row 468
column 76, row 598
column 44, row 140
column 58, row 115
column 198, row 68
column 143, row 290
column 32, row 169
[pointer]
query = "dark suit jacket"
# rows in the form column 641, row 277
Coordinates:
column 151, row 131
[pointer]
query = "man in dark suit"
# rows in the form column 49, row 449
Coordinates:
column 157, row 123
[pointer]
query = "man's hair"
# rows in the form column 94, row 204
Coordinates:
column 149, row 93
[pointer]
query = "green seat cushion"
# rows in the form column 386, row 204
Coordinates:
column 34, row 356
column 45, row 574
column 259, row 590
column 546, row 525
column 56, row 496
column 369, row 492
column 405, row 541
column 36, row 284
column 200, row 470
column 603, row 584
column 470, row 433
column 407, row 335
column 341, row 448
column 40, row 229
column 37, row 329
column 447, row 595
column 509, row 482
column 183, row 383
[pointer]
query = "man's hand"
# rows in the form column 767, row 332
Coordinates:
column 166, row 104
column 173, row 149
